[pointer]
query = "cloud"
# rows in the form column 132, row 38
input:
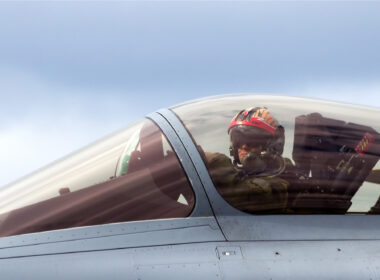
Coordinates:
column 149, row 45
column 365, row 93
column 26, row 146
column 42, row 121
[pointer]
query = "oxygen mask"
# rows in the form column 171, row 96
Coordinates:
column 253, row 163
column 262, row 164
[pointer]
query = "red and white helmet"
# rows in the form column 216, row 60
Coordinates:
column 256, row 127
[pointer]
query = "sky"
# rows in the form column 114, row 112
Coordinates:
column 73, row 72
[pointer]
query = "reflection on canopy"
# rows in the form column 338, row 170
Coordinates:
column 101, row 184
column 331, row 153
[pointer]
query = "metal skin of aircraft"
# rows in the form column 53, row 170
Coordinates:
column 147, row 203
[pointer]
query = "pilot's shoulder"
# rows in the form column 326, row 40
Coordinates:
column 217, row 159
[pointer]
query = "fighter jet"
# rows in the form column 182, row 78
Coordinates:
column 227, row 187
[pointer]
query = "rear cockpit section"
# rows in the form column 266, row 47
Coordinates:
column 328, row 162
column 131, row 176
column 334, row 158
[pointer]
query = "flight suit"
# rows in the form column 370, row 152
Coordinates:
column 251, row 194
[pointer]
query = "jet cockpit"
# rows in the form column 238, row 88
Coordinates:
column 170, row 196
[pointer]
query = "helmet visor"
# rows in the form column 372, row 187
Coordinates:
column 250, row 136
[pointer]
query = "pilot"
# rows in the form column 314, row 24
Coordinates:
column 252, row 181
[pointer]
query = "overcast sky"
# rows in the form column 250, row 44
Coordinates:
column 73, row 72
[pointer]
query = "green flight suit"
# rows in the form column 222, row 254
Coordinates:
column 250, row 194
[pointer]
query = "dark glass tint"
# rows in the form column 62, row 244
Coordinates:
column 131, row 176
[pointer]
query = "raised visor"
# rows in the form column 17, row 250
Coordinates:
column 330, row 154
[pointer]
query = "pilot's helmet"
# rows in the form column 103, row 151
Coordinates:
column 255, row 127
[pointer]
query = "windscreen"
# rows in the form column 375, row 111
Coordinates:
column 281, row 155
column 132, row 175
